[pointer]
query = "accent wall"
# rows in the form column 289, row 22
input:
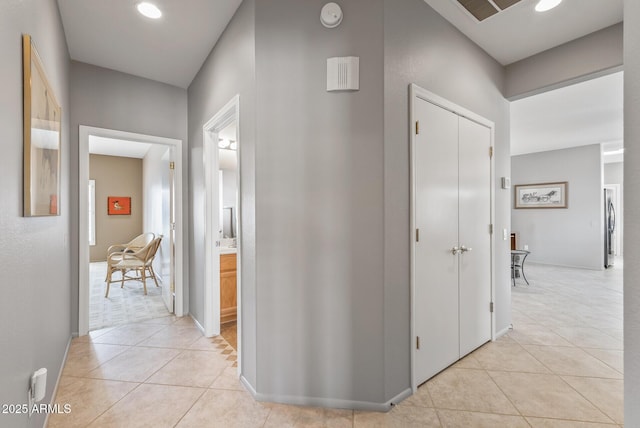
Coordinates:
column 115, row 176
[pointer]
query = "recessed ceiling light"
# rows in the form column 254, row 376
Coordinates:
column 545, row 5
column 614, row 152
column 149, row 10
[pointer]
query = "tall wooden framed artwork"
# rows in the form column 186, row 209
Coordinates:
column 42, row 137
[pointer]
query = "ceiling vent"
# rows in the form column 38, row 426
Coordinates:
column 483, row 9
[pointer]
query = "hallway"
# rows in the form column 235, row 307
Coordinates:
column 561, row 364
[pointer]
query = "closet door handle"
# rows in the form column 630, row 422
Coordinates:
column 465, row 249
column 455, row 250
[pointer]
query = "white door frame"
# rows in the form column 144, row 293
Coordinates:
column 228, row 114
column 83, row 215
column 415, row 93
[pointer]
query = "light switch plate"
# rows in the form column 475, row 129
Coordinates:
column 506, row 183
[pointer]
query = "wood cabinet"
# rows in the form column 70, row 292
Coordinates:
column 228, row 285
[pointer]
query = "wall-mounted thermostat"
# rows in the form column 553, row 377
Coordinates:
column 506, row 183
column 343, row 73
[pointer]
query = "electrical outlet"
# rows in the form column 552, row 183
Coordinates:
column 505, row 234
column 526, row 247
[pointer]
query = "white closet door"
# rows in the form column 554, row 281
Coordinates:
column 475, row 218
column 436, row 216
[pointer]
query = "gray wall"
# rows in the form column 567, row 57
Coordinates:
column 115, row 176
column 581, row 59
column 229, row 70
column 614, row 174
column 35, row 309
column 423, row 48
column 632, row 206
column 563, row 237
column 110, row 99
column 320, row 243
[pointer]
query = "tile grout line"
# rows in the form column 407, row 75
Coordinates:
column 204, row 391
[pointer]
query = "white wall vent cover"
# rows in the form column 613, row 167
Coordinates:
column 343, row 73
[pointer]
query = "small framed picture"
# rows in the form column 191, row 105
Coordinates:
column 119, row 205
column 543, row 195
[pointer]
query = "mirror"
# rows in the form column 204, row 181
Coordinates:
column 228, row 223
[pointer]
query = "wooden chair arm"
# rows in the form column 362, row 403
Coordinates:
column 117, row 248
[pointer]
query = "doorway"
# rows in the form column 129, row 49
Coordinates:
column 169, row 152
column 452, row 236
column 223, row 243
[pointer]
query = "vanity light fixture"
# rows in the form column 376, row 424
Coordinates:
column 545, row 5
column 227, row 144
column 149, row 10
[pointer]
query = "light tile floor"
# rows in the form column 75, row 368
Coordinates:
column 124, row 305
column 560, row 367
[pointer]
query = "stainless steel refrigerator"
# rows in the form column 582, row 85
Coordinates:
column 609, row 228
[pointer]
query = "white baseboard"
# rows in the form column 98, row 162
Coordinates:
column 534, row 262
column 198, row 325
column 55, row 388
column 327, row 402
column 502, row 332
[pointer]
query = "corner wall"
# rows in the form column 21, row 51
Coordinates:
column 229, row 70
column 421, row 47
column 319, row 191
column 35, row 309
column 565, row 237
column 110, row 99
column 632, row 206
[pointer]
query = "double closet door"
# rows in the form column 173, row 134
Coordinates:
column 452, row 254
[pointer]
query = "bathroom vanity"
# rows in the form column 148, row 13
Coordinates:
column 228, row 285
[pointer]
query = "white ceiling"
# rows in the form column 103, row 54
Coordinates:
column 112, row 34
column 519, row 31
column 172, row 49
column 115, row 147
column 590, row 112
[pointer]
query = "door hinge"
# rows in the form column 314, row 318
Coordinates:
column 491, row 229
column 417, row 342
column 172, row 165
column 417, row 127
column 491, row 307
column 490, row 152
column 417, row 235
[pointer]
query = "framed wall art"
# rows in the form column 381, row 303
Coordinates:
column 543, row 195
column 42, row 137
column 119, row 205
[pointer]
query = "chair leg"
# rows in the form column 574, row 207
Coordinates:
column 108, row 280
column 122, row 272
column 144, row 281
column 153, row 275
